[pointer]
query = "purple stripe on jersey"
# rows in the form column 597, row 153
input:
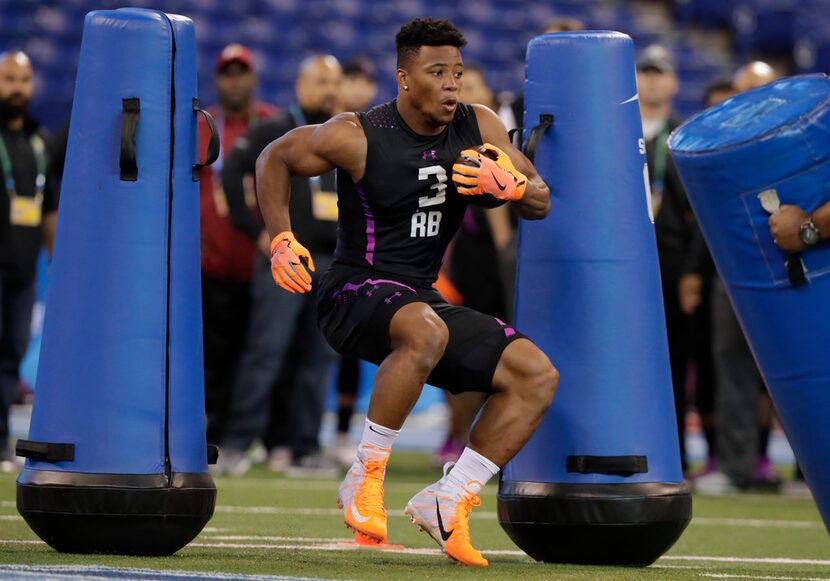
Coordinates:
column 356, row 287
column 370, row 226
column 508, row 331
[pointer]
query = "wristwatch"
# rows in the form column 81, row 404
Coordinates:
column 809, row 233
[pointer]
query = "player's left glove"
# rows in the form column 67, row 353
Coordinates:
column 288, row 261
column 488, row 170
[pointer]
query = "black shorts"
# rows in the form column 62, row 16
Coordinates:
column 356, row 307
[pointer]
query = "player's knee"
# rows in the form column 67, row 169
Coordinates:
column 425, row 336
column 541, row 379
column 430, row 339
column 548, row 381
column 528, row 372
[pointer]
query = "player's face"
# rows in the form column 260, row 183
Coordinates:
column 434, row 78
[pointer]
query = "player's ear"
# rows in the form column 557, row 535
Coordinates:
column 403, row 79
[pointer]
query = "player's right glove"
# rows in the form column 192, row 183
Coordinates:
column 289, row 259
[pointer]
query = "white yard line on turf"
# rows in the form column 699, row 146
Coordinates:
column 10, row 517
column 271, row 538
column 512, row 553
column 702, row 521
column 730, row 576
column 279, row 510
column 87, row 573
column 318, row 547
column 755, row 560
column 758, row 522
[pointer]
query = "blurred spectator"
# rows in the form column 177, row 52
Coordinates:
column 28, row 215
column 360, row 88
column 227, row 254
column 283, row 344
column 512, row 112
column 564, row 24
column 696, row 295
column 360, row 85
column 752, row 75
column 475, row 264
column 674, row 222
column 474, row 269
column 717, row 92
column 741, row 446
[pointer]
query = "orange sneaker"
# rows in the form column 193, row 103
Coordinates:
column 446, row 519
column 361, row 498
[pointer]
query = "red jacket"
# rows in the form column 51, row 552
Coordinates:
column 226, row 252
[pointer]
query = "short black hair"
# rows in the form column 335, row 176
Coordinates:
column 717, row 86
column 426, row 32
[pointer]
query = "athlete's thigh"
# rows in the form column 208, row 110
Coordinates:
column 476, row 342
column 355, row 314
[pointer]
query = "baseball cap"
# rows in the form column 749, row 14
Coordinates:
column 656, row 57
column 360, row 65
column 234, row 53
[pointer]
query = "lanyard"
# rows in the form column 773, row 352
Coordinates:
column 38, row 148
column 297, row 114
column 253, row 119
column 660, row 156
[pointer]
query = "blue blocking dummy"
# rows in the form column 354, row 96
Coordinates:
column 116, row 456
column 600, row 482
column 771, row 145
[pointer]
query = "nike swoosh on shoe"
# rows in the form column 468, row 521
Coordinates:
column 357, row 516
column 444, row 534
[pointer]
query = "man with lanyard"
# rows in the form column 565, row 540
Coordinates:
column 674, row 222
column 227, row 255
column 28, row 215
column 284, row 344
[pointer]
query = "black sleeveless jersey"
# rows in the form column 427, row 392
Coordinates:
column 402, row 215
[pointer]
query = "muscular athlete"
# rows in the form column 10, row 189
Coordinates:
column 400, row 203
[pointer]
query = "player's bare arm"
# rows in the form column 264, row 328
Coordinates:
column 535, row 204
column 307, row 151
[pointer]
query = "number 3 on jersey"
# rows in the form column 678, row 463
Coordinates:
column 426, row 224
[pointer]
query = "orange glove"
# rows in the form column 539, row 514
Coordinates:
column 488, row 170
column 287, row 263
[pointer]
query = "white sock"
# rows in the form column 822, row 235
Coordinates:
column 471, row 472
column 376, row 442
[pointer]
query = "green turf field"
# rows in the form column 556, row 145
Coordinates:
column 267, row 525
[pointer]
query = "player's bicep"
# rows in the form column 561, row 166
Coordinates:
column 301, row 152
column 317, row 149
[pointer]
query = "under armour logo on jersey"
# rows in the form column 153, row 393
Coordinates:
column 429, row 155
column 388, row 300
